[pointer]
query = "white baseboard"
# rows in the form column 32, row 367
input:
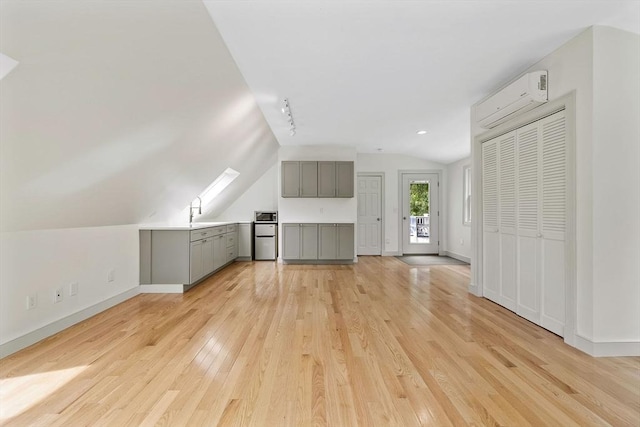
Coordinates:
column 62, row 324
column 607, row 349
column 458, row 257
column 161, row 289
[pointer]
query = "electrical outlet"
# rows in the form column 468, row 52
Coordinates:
column 32, row 301
column 111, row 275
column 73, row 289
column 57, row 295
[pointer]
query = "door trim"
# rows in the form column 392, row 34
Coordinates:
column 442, row 209
column 382, row 207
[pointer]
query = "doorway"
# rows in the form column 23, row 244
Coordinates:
column 420, row 213
column 370, row 214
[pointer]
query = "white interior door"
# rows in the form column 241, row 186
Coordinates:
column 369, row 215
column 420, row 213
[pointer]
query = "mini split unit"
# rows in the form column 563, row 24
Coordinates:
column 522, row 95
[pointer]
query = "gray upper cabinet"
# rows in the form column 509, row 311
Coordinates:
column 290, row 179
column 308, row 179
column 317, row 179
column 344, row 179
column 326, row 179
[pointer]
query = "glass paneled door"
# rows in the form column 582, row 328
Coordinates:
column 420, row 213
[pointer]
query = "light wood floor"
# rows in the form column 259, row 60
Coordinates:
column 375, row 344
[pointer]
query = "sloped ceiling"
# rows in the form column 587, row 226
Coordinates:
column 120, row 113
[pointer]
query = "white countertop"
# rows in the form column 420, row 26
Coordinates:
column 194, row 226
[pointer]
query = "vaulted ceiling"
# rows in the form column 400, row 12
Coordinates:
column 372, row 73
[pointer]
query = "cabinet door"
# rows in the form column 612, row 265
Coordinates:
column 196, row 267
column 207, row 256
column 326, row 179
column 244, row 240
column 309, row 241
column 290, row 179
column 345, row 241
column 308, row 179
column 219, row 251
column 344, row 179
column 327, row 241
column 290, row 241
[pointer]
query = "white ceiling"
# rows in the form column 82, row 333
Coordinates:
column 371, row 73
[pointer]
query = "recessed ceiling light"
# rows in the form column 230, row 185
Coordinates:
column 421, row 132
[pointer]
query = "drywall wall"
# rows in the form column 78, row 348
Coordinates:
column 261, row 196
column 616, row 185
column 390, row 165
column 600, row 67
column 458, row 242
column 39, row 262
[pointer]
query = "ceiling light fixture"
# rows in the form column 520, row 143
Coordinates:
column 286, row 110
column 421, row 132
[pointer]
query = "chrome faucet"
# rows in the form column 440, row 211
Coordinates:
column 191, row 208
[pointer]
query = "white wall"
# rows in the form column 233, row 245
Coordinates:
column 390, row 164
column 616, row 186
column 458, row 241
column 39, row 262
column 261, row 196
column 601, row 66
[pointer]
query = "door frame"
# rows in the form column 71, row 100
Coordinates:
column 382, row 207
column 441, row 207
column 568, row 104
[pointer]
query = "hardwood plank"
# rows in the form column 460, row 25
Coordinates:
column 375, row 343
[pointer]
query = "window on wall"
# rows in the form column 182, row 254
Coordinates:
column 466, row 194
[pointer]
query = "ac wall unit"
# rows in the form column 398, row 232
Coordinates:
column 524, row 94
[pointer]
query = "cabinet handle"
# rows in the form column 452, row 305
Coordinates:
column 539, row 234
column 204, row 241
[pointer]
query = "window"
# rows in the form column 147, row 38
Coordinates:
column 466, row 194
column 216, row 187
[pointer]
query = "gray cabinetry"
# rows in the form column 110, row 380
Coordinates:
column 308, row 241
column 245, row 241
column 308, row 179
column 335, row 241
column 290, row 181
column 184, row 256
column 317, row 179
column 344, row 179
column 317, row 242
column 326, row 179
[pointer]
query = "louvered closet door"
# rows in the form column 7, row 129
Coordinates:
column 553, row 221
column 507, row 218
column 490, row 239
column 528, row 246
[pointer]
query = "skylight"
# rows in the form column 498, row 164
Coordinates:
column 217, row 186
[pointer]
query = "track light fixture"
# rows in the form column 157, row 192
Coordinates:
column 286, row 110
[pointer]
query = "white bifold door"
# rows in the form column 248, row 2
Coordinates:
column 524, row 186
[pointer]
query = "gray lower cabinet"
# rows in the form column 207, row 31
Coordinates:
column 185, row 256
column 312, row 242
column 245, row 241
column 335, row 241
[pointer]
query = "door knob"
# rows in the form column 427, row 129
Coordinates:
column 378, row 219
column 404, row 217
